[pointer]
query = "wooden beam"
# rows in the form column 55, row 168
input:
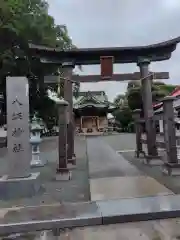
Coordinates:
column 116, row 77
column 119, row 77
column 88, row 56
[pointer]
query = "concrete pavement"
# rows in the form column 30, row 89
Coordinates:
column 104, row 162
column 112, row 176
column 151, row 230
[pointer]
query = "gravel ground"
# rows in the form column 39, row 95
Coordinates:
column 56, row 191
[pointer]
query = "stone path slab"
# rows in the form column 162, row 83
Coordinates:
column 112, row 176
column 121, row 141
column 79, row 215
column 105, row 162
column 125, row 187
column 151, row 230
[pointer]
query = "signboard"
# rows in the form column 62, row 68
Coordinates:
column 19, row 152
column 106, row 67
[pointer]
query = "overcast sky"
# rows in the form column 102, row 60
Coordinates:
column 108, row 23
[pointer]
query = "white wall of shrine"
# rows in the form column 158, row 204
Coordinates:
column 103, row 122
column 161, row 128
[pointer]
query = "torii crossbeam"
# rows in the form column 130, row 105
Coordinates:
column 116, row 77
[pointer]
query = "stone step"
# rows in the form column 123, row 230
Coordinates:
column 90, row 214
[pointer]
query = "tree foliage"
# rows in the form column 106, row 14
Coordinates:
column 132, row 100
column 123, row 115
column 119, row 100
column 134, row 93
column 21, row 22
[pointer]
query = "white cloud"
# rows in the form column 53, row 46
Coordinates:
column 103, row 23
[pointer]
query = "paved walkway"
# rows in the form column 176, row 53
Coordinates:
column 125, row 142
column 104, row 162
column 112, row 176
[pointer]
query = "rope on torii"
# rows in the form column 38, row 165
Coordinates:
column 149, row 75
column 59, row 82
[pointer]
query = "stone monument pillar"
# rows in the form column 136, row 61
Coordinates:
column 63, row 172
column 68, row 96
column 138, row 129
column 18, row 182
column 18, row 132
column 171, row 164
column 146, row 84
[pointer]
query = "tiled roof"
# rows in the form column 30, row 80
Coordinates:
column 175, row 93
column 176, row 104
column 96, row 98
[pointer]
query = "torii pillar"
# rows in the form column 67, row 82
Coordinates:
column 138, row 129
column 146, row 83
column 171, row 161
column 68, row 96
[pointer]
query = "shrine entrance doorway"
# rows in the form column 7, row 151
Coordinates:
column 89, row 124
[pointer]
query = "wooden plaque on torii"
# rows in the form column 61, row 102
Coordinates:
column 106, row 67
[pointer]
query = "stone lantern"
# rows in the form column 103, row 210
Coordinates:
column 35, row 140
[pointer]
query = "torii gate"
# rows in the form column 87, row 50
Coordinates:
column 141, row 55
column 105, row 76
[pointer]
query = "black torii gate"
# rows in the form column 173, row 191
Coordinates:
column 141, row 55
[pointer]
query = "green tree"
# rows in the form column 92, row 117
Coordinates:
column 21, row 22
column 120, row 100
column 134, row 93
column 133, row 100
column 124, row 117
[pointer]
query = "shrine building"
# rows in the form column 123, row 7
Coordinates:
column 91, row 112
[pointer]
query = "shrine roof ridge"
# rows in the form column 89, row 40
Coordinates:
column 155, row 52
column 85, row 93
